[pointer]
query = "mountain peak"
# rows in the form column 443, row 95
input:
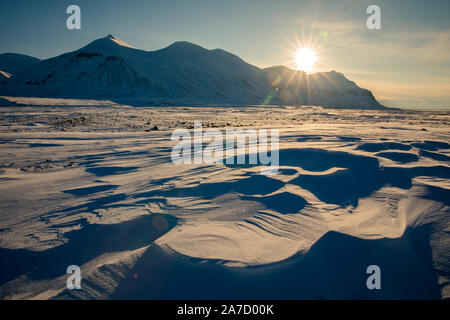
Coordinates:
column 13, row 63
column 107, row 44
column 117, row 41
column 184, row 45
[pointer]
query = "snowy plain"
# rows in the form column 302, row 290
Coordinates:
column 91, row 183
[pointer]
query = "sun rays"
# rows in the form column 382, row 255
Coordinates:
column 305, row 59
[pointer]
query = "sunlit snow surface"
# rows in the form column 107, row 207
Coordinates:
column 95, row 187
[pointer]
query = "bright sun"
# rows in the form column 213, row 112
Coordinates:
column 305, row 59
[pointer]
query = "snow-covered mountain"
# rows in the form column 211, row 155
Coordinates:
column 12, row 63
column 182, row 73
column 330, row 89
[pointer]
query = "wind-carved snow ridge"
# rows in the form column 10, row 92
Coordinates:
column 180, row 74
column 347, row 196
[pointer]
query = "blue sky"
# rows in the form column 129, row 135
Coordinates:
column 405, row 64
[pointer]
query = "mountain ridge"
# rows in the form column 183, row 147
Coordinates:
column 12, row 63
column 181, row 73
